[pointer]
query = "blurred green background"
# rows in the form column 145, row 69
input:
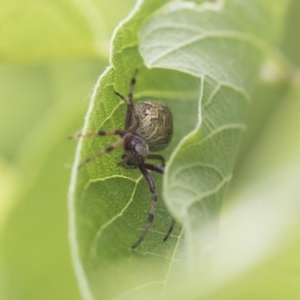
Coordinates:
column 51, row 54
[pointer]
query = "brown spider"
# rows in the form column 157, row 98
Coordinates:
column 148, row 127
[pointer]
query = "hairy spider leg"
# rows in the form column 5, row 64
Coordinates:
column 119, row 132
column 171, row 227
column 154, row 168
column 151, row 213
column 126, row 138
column 160, row 170
column 130, row 106
column 158, row 157
column 132, row 86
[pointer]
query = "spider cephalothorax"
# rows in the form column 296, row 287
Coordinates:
column 148, row 127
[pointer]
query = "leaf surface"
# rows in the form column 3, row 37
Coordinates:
column 218, row 49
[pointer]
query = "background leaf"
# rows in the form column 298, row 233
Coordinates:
column 225, row 36
column 49, row 63
column 34, row 31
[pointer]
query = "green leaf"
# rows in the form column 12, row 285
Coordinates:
column 259, row 245
column 224, row 46
column 219, row 48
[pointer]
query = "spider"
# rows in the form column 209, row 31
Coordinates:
column 148, row 127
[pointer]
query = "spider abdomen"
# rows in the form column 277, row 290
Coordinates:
column 156, row 124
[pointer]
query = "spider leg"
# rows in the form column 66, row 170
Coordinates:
column 132, row 85
column 122, row 97
column 151, row 213
column 158, row 157
column 154, row 168
column 161, row 170
column 119, row 132
column 130, row 106
column 126, row 138
column 171, row 227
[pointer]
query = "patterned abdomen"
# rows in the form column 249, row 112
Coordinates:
column 156, row 124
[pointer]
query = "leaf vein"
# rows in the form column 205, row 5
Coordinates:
column 217, row 131
column 105, row 225
column 191, row 201
column 198, row 164
column 211, row 34
column 139, row 287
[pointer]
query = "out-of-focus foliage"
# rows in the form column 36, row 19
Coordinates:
column 51, row 53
